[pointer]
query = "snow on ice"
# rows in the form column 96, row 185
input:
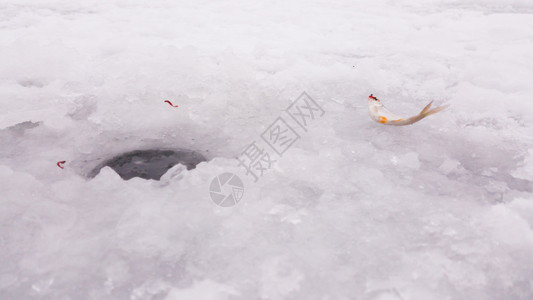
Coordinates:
column 442, row 209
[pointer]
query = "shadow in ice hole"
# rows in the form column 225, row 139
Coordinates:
column 149, row 164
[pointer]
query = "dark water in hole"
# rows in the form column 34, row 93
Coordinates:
column 149, row 164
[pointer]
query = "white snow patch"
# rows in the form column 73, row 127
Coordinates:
column 438, row 210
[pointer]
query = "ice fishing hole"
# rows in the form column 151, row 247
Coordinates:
column 149, row 164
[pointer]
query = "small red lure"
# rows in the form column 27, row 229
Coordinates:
column 167, row 101
column 59, row 164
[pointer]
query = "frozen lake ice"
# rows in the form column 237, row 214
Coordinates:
column 442, row 209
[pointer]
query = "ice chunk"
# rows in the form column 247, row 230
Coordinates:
column 205, row 289
column 449, row 166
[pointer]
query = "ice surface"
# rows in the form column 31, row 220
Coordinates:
column 442, row 209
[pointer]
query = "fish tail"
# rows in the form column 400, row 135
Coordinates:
column 427, row 111
column 434, row 110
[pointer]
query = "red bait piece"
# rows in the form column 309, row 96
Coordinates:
column 59, row 164
column 167, row 101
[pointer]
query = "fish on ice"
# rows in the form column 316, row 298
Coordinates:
column 379, row 113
